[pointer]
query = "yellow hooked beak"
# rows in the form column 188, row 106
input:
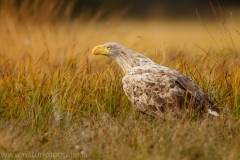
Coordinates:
column 100, row 50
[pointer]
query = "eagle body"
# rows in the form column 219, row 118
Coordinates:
column 154, row 89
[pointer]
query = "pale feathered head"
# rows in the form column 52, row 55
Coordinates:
column 110, row 49
column 126, row 58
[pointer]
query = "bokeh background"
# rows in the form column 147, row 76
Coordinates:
column 145, row 9
column 141, row 8
column 150, row 27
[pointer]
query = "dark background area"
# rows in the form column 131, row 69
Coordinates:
column 146, row 8
column 137, row 8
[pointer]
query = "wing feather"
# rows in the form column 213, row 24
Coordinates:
column 156, row 89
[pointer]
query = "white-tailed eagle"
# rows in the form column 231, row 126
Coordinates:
column 155, row 89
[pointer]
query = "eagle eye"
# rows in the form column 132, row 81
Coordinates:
column 109, row 48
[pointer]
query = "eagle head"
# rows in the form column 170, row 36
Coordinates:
column 110, row 49
column 126, row 58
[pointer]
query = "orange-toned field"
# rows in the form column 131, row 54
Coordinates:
column 59, row 101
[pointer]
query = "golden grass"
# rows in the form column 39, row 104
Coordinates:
column 55, row 97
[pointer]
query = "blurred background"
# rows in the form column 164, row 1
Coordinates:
column 136, row 8
column 155, row 8
column 150, row 27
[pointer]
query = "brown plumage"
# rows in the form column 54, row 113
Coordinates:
column 155, row 89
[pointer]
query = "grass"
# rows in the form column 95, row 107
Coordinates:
column 58, row 101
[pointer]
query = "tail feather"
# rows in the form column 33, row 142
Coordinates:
column 214, row 113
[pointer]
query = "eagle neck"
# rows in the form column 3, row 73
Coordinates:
column 129, row 59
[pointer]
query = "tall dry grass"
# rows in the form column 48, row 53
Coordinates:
column 55, row 97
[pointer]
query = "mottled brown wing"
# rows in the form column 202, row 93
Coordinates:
column 198, row 97
column 156, row 90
